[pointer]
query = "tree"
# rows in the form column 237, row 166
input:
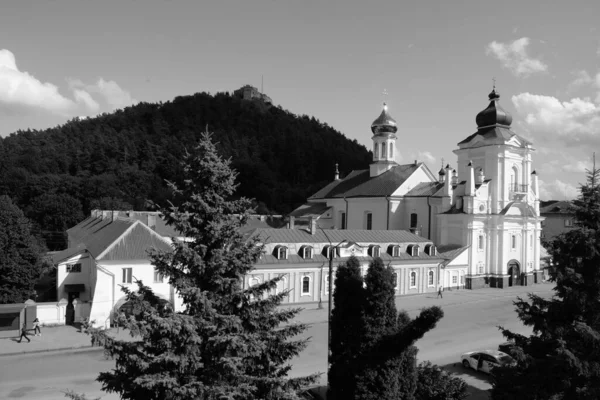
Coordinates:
column 434, row 383
column 228, row 342
column 55, row 213
column 347, row 329
column 561, row 359
column 20, row 260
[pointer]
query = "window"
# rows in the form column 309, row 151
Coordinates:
column 376, row 151
column 127, row 275
column 413, row 250
column 306, row 252
column 430, row 250
column 369, row 221
column 530, row 241
column 394, row 250
column 513, row 242
column 568, row 222
column 374, row 250
column 306, row 285
column 327, row 249
column 158, row 277
column 343, row 220
column 413, row 220
column 413, row 279
column 454, row 279
column 481, row 268
column 481, row 242
column 395, row 279
column 462, row 279
column 281, row 252
column 74, row 267
column 382, row 150
column 430, row 278
column 391, row 152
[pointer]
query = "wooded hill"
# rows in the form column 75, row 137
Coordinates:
column 121, row 160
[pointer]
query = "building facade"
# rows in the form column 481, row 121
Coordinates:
column 559, row 218
column 488, row 203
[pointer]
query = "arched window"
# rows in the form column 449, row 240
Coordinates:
column 395, row 280
column 254, row 280
column 281, row 252
column 413, row 250
column 430, row 278
column 394, row 250
column 327, row 250
column 413, row 279
column 374, row 250
column 383, row 150
column 306, row 252
column 376, row 151
column 391, row 152
column 430, row 250
column 306, row 285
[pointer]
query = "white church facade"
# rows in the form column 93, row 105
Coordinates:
column 489, row 203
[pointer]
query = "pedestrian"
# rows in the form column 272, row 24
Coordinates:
column 440, row 292
column 37, row 331
column 24, row 334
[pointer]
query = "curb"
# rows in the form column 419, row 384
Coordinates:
column 76, row 349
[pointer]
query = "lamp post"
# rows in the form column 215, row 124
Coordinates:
column 332, row 250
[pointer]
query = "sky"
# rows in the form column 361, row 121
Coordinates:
column 333, row 60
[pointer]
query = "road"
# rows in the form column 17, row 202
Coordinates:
column 465, row 327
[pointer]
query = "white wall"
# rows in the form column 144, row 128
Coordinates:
column 83, row 277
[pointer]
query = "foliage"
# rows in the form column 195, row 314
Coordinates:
column 123, row 159
column 561, row 359
column 20, row 261
column 229, row 342
column 347, row 329
column 434, row 383
column 377, row 359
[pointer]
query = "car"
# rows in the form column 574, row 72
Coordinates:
column 486, row 360
column 506, row 347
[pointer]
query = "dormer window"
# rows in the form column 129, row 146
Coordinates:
column 413, row 250
column 306, row 252
column 281, row 252
column 394, row 250
column 374, row 250
column 430, row 250
column 327, row 251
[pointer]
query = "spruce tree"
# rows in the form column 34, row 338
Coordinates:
column 230, row 341
column 347, row 329
column 561, row 359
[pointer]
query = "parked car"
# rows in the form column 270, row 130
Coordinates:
column 486, row 360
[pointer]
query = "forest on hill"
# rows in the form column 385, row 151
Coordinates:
column 121, row 160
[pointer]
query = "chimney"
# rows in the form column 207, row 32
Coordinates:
column 312, row 225
column 416, row 162
column 151, row 221
column 470, row 185
column 292, row 222
column 480, row 176
column 337, row 173
column 448, row 184
column 105, row 214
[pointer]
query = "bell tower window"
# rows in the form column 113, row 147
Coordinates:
column 383, row 150
column 391, row 152
column 376, row 151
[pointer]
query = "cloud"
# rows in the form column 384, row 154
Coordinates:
column 426, row 156
column 575, row 122
column 557, row 190
column 514, row 57
column 23, row 94
column 581, row 78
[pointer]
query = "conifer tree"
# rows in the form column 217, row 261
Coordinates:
column 347, row 329
column 561, row 359
column 228, row 342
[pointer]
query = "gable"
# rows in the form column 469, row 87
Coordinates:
column 135, row 244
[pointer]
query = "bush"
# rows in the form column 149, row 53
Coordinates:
column 434, row 383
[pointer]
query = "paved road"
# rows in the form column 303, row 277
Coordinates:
column 465, row 327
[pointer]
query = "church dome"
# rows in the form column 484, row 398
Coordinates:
column 493, row 114
column 384, row 123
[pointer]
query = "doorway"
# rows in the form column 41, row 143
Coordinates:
column 70, row 314
column 514, row 273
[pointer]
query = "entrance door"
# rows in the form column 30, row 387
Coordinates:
column 70, row 315
column 514, row 273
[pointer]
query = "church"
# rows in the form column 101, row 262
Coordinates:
column 488, row 203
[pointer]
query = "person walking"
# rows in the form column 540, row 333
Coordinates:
column 36, row 327
column 24, row 333
column 440, row 292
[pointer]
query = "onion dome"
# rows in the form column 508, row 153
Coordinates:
column 493, row 114
column 442, row 172
column 384, row 123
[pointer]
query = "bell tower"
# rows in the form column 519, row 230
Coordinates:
column 384, row 130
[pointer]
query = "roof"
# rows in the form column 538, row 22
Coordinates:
column 118, row 239
column 495, row 134
column 336, row 236
column 359, row 183
column 529, row 211
column 319, row 258
column 450, row 251
column 425, row 189
column 310, row 210
column 558, row 207
column 11, row 308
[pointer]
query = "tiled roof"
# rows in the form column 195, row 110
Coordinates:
column 558, row 207
column 495, row 135
column 135, row 244
column 336, row 236
column 310, row 210
column 360, row 184
column 59, row 256
column 425, row 189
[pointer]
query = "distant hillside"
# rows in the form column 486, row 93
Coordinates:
column 120, row 160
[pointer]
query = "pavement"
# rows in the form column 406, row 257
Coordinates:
column 69, row 338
